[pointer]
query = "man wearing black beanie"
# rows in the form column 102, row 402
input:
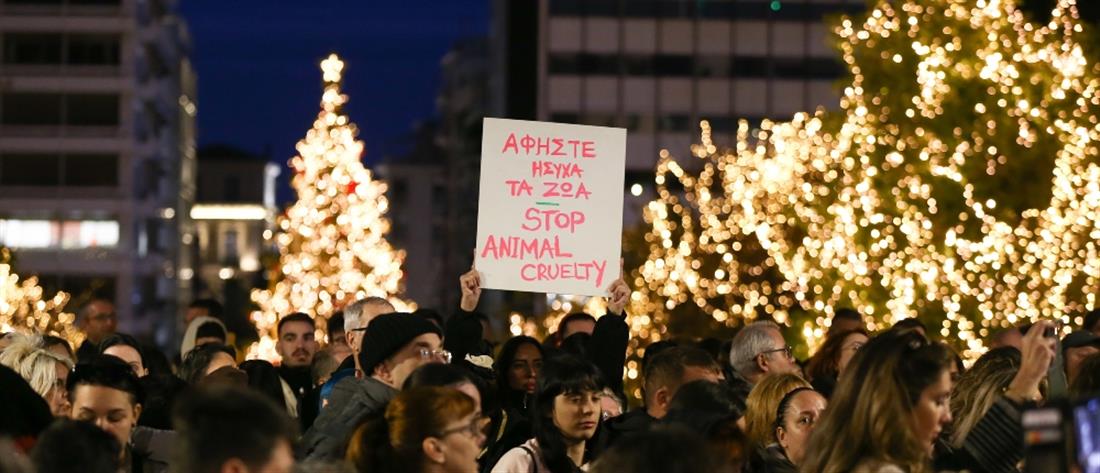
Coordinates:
column 393, row 346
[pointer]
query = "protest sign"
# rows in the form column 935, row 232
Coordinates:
column 550, row 209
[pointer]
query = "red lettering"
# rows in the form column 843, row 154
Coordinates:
column 523, row 272
column 588, row 150
column 516, row 188
column 551, row 190
column 574, row 143
column 557, row 147
column 510, row 143
column 582, row 192
column 543, row 147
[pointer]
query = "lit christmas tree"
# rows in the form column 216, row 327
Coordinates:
column 332, row 241
column 959, row 182
column 24, row 308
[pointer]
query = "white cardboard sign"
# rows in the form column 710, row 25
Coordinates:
column 550, row 210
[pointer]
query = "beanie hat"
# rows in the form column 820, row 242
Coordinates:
column 388, row 333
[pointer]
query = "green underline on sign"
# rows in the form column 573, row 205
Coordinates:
column 555, row 204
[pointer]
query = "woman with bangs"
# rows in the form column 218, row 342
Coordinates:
column 566, row 415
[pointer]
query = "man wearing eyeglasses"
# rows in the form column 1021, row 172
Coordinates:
column 759, row 350
column 392, row 347
column 98, row 321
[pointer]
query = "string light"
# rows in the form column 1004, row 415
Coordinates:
column 23, row 307
column 331, row 242
column 959, row 182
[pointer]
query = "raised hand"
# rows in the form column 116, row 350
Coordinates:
column 618, row 293
column 470, row 283
column 1036, row 354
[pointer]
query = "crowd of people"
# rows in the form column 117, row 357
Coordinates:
column 386, row 391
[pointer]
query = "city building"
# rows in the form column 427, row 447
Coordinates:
column 97, row 159
column 234, row 215
column 659, row 67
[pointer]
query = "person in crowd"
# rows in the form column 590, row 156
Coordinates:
column 888, row 409
column 577, row 322
column 264, row 378
column 912, row 323
column 161, row 386
column 979, row 387
column 426, row 429
column 1087, row 382
column 988, row 435
column 203, row 308
column 26, row 413
column 517, row 369
column 712, row 410
column 446, row 376
column 795, row 417
column 296, row 347
column 611, row 405
column 337, row 340
column 844, row 320
column 1092, row 322
column 394, row 345
column 97, row 320
column 70, row 445
column 324, row 364
column 204, row 360
column 432, row 315
column 45, row 371
column 1006, row 337
column 357, row 316
column 664, row 375
column 566, row 415
column 835, row 353
column 127, row 349
column 662, row 450
column 1075, row 348
column 227, row 428
column 762, row 406
column 759, row 350
column 59, row 346
column 202, row 331
column 105, row 392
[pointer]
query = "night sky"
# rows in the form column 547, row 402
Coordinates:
column 260, row 84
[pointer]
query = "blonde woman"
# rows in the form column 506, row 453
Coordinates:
column 46, row 371
column 761, row 405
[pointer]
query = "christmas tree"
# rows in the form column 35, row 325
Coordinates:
column 24, row 308
column 332, row 241
column 958, row 183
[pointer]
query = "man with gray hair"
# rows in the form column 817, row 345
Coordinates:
column 759, row 350
column 357, row 316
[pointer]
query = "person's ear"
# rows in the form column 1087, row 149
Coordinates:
column 662, row 397
column 761, row 363
column 781, row 436
column 137, row 413
column 433, row 450
column 383, row 372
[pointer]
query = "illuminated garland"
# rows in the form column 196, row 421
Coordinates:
column 332, row 240
column 24, row 309
column 959, row 183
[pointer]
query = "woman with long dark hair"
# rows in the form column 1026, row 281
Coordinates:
column 832, row 358
column 517, row 369
column 566, row 415
column 888, row 409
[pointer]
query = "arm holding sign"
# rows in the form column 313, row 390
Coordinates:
column 464, row 329
column 607, row 347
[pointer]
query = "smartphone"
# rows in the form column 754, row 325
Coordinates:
column 1086, row 427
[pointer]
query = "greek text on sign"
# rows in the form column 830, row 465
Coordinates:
column 551, row 206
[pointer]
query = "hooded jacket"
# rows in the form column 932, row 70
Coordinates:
column 192, row 332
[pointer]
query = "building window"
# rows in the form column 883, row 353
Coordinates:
column 30, row 109
column 58, row 234
column 32, row 48
column 91, row 170
column 92, row 110
column 93, row 49
column 30, row 169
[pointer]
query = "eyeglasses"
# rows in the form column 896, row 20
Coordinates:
column 441, row 355
column 476, row 427
column 787, row 350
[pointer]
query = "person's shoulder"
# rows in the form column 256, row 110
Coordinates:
column 518, row 460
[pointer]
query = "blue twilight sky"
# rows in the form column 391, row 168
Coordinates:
column 259, row 81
